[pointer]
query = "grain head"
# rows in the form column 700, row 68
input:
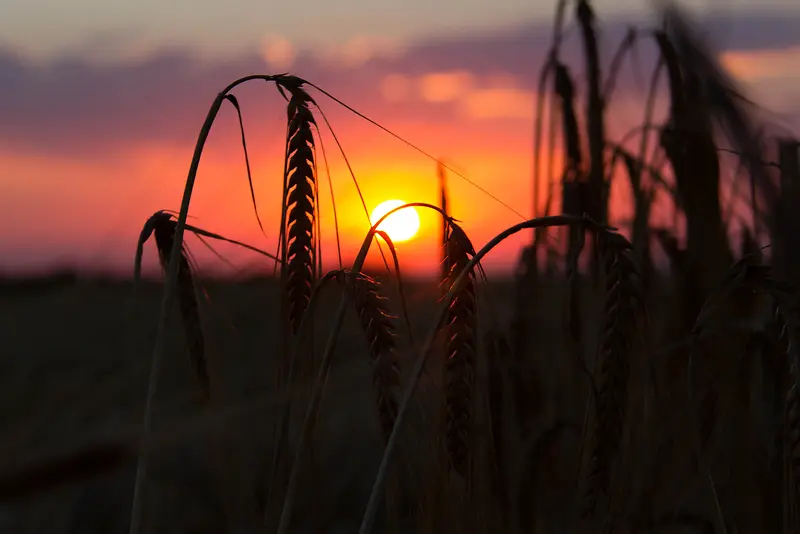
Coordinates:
column 616, row 348
column 299, row 205
column 460, row 347
column 164, row 229
column 378, row 326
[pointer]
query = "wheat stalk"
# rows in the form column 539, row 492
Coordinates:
column 460, row 341
column 378, row 327
column 169, row 295
column 595, row 121
column 502, row 396
column 299, row 202
column 573, row 200
column 370, row 513
column 164, row 231
column 721, row 96
column 622, row 303
column 325, row 362
column 542, row 94
column 441, row 177
column 565, row 89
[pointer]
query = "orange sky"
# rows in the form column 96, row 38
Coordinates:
column 117, row 194
column 76, row 189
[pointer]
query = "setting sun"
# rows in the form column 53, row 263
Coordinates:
column 401, row 225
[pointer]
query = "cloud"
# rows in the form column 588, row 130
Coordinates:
column 72, row 105
column 770, row 75
column 360, row 49
column 118, row 46
column 79, row 135
column 445, row 86
column 75, row 105
column 278, row 52
column 395, row 88
column 507, row 103
column 754, row 30
column 751, row 65
column 497, row 96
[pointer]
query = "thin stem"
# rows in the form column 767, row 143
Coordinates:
column 333, row 198
column 283, row 422
column 169, row 297
column 166, row 305
column 355, row 181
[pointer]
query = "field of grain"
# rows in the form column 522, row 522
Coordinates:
column 626, row 379
column 73, row 375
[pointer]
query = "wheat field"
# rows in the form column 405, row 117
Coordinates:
column 629, row 378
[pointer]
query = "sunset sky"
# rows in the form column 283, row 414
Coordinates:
column 101, row 102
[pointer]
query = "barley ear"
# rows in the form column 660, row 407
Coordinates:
column 299, row 204
column 616, row 347
column 465, row 277
column 460, row 347
column 164, row 230
column 378, row 327
column 322, row 373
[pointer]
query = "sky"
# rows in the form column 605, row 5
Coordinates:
column 101, row 102
column 44, row 27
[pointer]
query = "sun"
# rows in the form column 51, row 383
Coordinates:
column 401, row 225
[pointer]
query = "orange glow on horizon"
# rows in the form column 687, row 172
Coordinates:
column 481, row 126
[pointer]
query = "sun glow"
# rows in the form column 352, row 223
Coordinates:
column 401, row 225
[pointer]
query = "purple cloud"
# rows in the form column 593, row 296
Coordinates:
column 73, row 106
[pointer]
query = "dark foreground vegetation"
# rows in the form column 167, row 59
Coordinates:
column 600, row 390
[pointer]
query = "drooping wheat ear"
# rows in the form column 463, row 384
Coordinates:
column 721, row 95
column 466, row 277
column 299, row 200
column 460, row 330
column 708, row 103
column 164, row 229
column 622, row 305
column 379, row 329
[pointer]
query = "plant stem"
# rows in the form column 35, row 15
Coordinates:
column 168, row 299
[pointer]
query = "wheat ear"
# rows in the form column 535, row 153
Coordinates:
column 460, row 339
column 299, row 204
column 164, row 230
column 323, row 368
column 378, row 327
column 368, row 520
column 159, row 346
column 622, row 303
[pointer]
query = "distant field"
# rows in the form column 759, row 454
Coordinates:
column 75, row 355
